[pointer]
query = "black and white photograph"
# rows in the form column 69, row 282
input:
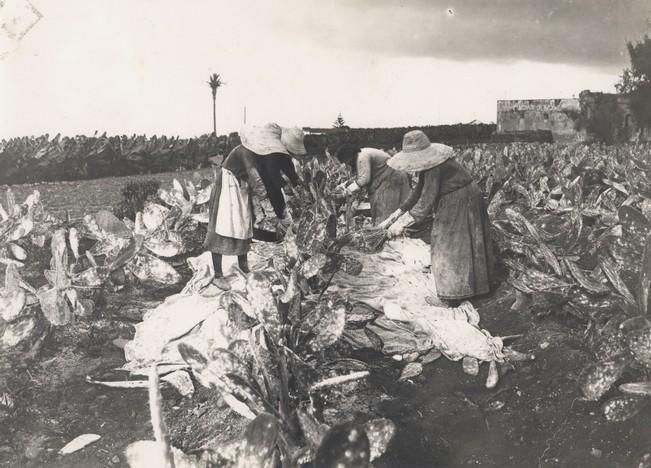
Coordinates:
column 325, row 234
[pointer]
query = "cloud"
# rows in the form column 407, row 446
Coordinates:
column 581, row 32
column 125, row 66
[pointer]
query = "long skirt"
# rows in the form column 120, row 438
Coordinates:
column 217, row 243
column 387, row 192
column 462, row 262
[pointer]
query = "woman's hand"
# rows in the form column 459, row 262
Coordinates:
column 395, row 230
column 340, row 191
column 341, row 187
column 393, row 217
column 347, row 189
column 398, row 227
column 287, row 218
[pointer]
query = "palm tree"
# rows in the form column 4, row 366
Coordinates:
column 214, row 82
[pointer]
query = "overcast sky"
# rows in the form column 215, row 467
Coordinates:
column 140, row 66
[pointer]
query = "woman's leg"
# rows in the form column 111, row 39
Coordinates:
column 219, row 279
column 217, row 265
column 452, row 302
column 243, row 262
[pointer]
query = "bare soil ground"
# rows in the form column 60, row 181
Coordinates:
column 445, row 418
column 81, row 197
column 534, row 417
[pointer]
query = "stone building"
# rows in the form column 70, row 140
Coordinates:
column 604, row 116
column 560, row 116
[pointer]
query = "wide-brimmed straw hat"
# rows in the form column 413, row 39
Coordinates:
column 419, row 154
column 292, row 138
column 264, row 139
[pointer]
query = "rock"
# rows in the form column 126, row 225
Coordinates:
column 470, row 366
column 413, row 369
column 496, row 405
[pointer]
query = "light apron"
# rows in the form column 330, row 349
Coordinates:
column 234, row 217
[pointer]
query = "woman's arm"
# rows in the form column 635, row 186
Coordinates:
column 363, row 174
column 426, row 203
column 419, row 205
column 287, row 167
column 414, row 194
column 269, row 170
column 363, row 166
column 401, row 217
column 254, row 177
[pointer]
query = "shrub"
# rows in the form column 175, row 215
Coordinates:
column 134, row 196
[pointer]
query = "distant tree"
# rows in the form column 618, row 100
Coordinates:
column 598, row 116
column 636, row 80
column 215, row 82
column 339, row 122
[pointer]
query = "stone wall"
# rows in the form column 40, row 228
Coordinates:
column 593, row 116
column 559, row 116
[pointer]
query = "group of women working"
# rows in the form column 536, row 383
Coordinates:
column 444, row 208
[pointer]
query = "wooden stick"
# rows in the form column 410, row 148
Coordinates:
column 157, row 422
column 511, row 337
column 340, row 379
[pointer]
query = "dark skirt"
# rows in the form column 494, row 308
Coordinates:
column 228, row 245
column 221, row 244
column 387, row 192
column 462, row 261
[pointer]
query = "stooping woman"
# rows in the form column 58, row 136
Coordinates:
column 387, row 188
column 250, row 176
column 447, row 198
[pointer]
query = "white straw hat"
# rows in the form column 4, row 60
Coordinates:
column 419, row 154
column 292, row 138
column 263, row 140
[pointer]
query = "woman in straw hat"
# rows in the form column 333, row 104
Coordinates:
column 448, row 198
column 250, row 177
column 387, row 188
